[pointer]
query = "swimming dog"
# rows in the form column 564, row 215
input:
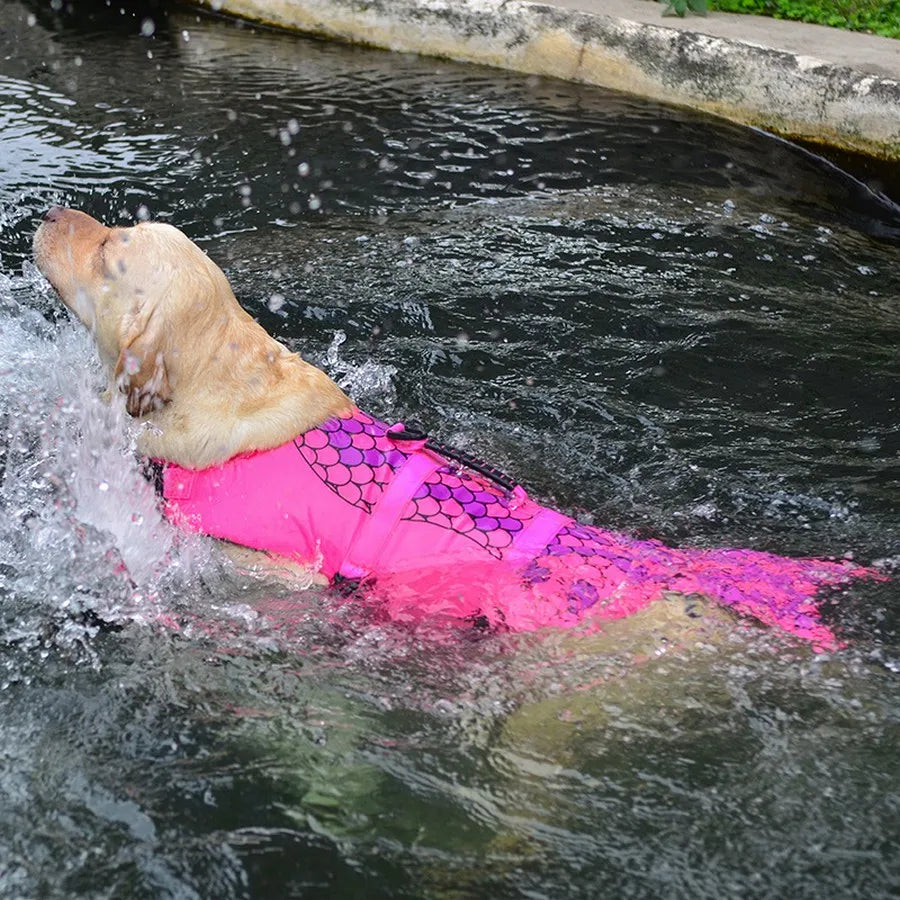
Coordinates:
column 255, row 446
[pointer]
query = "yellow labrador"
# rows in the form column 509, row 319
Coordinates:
column 264, row 450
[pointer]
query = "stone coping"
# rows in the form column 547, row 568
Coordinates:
column 807, row 82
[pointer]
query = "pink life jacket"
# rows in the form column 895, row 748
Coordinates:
column 438, row 539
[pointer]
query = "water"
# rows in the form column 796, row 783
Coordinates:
column 663, row 322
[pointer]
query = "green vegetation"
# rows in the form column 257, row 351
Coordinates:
column 680, row 7
column 878, row 16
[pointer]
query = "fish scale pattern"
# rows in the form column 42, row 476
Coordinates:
column 357, row 459
column 353, row 457
column 472, row 505
column 618, row 574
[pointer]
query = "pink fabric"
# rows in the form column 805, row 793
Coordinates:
column 433, row 540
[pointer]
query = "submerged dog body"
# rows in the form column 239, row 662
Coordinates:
column 260, row 448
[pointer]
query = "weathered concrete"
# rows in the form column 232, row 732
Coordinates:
column 800, row 81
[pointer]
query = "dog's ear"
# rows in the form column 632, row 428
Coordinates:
column 141, row 372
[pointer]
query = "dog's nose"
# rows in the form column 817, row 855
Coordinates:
column 53, row 214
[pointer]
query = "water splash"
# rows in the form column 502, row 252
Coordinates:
column 366, row 381
column 81, row 538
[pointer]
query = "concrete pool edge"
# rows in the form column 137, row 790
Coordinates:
column 784, row 91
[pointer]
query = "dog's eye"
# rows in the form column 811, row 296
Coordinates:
column 101, row 256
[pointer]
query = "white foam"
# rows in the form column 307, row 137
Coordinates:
column 362, row 382
column 79, row 525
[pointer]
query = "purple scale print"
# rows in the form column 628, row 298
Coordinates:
column 601, row 560
column 469, row 504
column 353, row 457
column 603, row 568
column 341, row 439
column 512, row 525
column 372, row 457
column 586, row 542
column 582, row 595
column 441, row 492
column 357, row 459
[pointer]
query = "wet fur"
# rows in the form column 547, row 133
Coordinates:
column 205, row 378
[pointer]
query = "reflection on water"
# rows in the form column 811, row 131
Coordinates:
column 667, row 323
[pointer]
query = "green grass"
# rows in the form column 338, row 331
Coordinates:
column 878, row 16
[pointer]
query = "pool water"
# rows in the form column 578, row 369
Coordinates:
column 658, row 321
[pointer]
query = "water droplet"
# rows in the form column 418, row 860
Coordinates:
column 131, row 364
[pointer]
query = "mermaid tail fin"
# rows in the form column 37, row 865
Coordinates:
column 776, row 590
column 612, row 575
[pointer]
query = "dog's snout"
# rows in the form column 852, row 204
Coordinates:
column 53, row 214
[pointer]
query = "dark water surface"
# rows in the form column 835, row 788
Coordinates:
column 661, row 321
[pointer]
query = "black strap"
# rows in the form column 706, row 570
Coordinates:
column 414, row 433
column 152, row 470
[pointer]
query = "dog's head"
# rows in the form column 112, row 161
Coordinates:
column 133, row 288
column 176, row 342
